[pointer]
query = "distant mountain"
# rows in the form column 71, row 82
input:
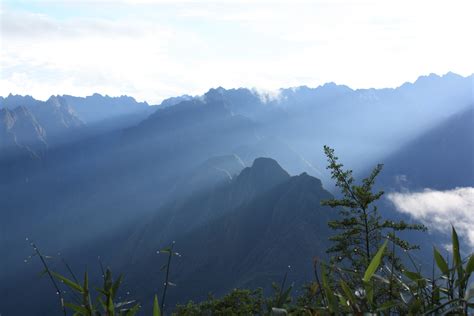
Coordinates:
column 101, row 113
column 308, row 118
column 96, row 108
column 56, row 116
column 30, row 129
column 14, row 101
column 442, row 158
column 66, row 119
column 175, row 100
column 366, row 125
column 138, row 168
column 20, row 131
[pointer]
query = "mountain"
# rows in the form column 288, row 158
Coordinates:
column 442, row 158
column 239, row 224
column 271, row 146
column 307, row 118
column 175, row 100
column 20, row 131
column 33, row 128
column 14, row 101
column 100, row 113
column 132, row 171
column 95, row 108
column 56, row 116
column 173, row 173
column 303, row 119
column 135, row 170
column 222, row 197
column 365, row 125
column 233, row 236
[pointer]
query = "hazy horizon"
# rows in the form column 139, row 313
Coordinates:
column 274, row 93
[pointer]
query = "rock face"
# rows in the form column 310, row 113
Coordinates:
column 20, row 131
column 56, row 115
column 32, row 127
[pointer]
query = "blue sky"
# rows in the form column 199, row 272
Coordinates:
column 155, row 49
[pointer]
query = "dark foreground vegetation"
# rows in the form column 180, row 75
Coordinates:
column 370, row 272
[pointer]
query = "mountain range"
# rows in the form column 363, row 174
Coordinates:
column 31, row 126
column 234, row 176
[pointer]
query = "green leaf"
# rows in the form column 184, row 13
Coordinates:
column 165, row 250
column 284, row 297
column 369, row 290
column 86, row 300
column 116, row 286
column 108, row 280
column 78, row 309
column 436, row 295
column 470, row 265
column 349, row 295
column 440, row 262
column 332, row 301
column 374, row 264
column 73, row 285
column 86, row 281
column 110, row 306
column 414, row 276
column 101, row 302
column 134, row 310
column 156, row 307
column 457, row 254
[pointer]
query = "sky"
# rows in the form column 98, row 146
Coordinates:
column 152, row 50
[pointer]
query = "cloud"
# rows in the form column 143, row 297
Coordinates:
column 156, row 49
column 439, row 209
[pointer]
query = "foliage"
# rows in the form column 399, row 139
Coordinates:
column 242, row 302
column 361, row 230
column 82, row 302
column 449, row 293
column 237, row 302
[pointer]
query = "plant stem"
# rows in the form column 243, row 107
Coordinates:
column 167, row 277
column 58, row 291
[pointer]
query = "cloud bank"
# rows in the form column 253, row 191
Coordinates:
column 439, row 209
column 153, row 49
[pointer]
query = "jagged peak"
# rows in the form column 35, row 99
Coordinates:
column 214, row 94
column 56, row 100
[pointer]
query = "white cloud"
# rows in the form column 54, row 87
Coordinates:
column 439, row 209
column 155, row 49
